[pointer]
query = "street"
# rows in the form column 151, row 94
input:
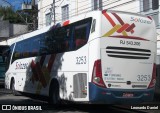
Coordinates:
column 7, row 98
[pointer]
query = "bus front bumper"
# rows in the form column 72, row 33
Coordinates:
column 115, row 96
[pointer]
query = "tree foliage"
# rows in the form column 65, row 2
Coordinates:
column 7, row 13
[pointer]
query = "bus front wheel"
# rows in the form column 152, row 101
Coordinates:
column 54, row 97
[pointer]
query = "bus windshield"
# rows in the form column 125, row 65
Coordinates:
column 3, row 61
column 2, row 67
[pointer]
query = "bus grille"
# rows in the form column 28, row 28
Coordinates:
column 128, row 53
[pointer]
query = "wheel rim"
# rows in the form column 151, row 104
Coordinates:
column 55, row 96
column 53, row 99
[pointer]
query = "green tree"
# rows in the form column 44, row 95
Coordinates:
column 7, row 13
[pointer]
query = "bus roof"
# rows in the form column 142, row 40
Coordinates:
column 74, row 19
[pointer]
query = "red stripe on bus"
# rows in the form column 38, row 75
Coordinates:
column 129, row 37
column 149, row 17
column 66, row 23
column 40, row 74
column 109, row 18
column 51, row 61
column 42, row 60
column 130, row 28
column 124, row 27
column 118, row 18
column 34, row 71
column 37, row 71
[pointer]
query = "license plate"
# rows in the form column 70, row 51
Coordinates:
column 128, row 95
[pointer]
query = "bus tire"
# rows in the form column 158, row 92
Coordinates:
column 54, row 97
column 12, row 87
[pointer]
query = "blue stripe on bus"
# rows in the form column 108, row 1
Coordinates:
column 114, row 96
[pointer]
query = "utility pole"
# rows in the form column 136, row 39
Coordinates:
column 34, row 15
column 54, row 12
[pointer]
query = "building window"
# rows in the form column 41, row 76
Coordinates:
column 155, row 16
column 96, row 4
column 48, row 19
column 146, row 5
column 65, row 12
column 155, row 4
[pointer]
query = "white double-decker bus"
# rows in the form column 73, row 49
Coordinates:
column 99, row 57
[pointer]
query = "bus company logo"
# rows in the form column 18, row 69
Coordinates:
column 140, row 20
column 20, row 65
column 119, row 28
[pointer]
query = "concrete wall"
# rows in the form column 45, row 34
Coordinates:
column 8, row 31
column 17, row 29
column 4, row 29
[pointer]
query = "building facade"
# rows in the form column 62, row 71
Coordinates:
column 9, row 30
column 65, row 9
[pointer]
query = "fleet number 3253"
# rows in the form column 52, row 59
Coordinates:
column 143, row 77
column 81, row 60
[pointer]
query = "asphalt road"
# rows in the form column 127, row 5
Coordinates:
column 6, row 98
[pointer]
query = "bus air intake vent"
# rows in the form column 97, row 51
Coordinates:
column 128, row 53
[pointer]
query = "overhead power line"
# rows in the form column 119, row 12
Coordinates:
column 88, row 7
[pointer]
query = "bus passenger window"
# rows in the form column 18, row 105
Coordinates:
column 80, row 35
column 66, row 39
